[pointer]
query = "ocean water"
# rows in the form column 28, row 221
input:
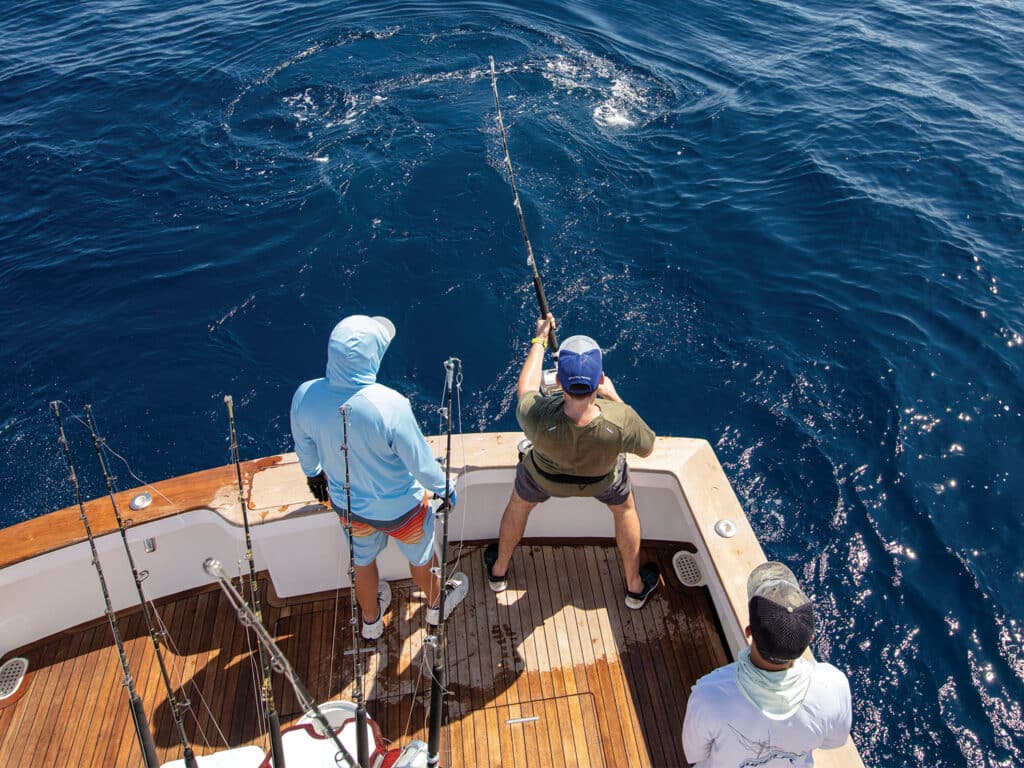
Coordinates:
column 795, row 225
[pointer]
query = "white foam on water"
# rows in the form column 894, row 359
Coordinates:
column 624, row 101
column 610, row 115
column 275, row 70
column 616, row 111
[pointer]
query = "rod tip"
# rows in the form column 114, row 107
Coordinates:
column 213, row 567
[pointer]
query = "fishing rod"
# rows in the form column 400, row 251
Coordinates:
column 538, row 287
column 266, row 690
column 142, row 731
column 172, row 700
column 437, row 681
column 362, row 746
column 279, row 661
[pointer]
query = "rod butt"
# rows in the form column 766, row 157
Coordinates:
column 145, row 735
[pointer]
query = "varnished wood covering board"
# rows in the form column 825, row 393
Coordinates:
column 590, row 682
column 215, row 488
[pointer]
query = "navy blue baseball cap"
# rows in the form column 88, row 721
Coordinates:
column 579, row 365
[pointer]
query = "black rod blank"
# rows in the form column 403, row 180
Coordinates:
column 362, row 746
column 142, row 731
column 172, row 700
column 538, row 286
column 437, row 677
column 267, row 689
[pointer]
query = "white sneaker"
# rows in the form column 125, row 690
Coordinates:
column 455, row 591
column 374, row 629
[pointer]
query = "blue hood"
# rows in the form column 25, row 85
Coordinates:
column 354, row 352
column 388, row 464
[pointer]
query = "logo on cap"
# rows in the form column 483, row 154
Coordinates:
column 579, row 365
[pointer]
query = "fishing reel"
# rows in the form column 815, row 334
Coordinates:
column 549, row 382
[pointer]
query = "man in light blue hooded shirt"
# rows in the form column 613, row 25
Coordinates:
column 392, row 471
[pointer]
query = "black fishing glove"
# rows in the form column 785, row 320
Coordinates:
column 451, row 494
column 318, row 487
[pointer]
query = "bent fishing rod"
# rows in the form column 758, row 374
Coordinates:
column 172, row 700
column 362, row 746
column 279, row 661
column 437, row 677
column 145, row 736
column 266, row 689
column 538, row 287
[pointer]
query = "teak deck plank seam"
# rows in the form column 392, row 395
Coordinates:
column 559, row 645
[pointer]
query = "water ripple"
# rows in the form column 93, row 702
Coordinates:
column 795, row 227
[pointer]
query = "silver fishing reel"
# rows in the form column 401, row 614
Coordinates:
column 549, row 382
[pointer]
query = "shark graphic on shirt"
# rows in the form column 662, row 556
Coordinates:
column 765, row 753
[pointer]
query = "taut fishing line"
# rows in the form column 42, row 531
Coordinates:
column 538, row 286
column 268, row 710
column 172, row 700
column 168, row 638
column 362, row 747
column 142, row 730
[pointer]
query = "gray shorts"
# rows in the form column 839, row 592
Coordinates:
column 616, row 493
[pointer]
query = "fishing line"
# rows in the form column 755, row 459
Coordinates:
column 172, row 700
column 142, row 731
column 206, row 706
column 279, row 662
column 177, row 513
column 437, row 682
column 362, row 747
column 424, row 667
column 441, row 415
column 266, row 689
column 334, row 625
column 538, row 286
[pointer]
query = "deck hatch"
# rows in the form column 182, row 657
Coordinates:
column 12, row 673
column 687, row 569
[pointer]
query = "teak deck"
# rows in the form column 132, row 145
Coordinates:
column 555, row 671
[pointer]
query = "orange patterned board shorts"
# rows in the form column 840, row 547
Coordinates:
column 413, row 531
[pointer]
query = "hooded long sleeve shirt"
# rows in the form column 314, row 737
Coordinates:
column 390, row 463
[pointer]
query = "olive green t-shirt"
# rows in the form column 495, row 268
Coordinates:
column 588, row 453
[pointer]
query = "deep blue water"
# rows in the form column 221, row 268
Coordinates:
column 796, row 226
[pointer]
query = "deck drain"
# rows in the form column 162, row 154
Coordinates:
column 11, row 674
column 687, row 569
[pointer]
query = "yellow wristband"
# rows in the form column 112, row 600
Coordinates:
column 542, row 340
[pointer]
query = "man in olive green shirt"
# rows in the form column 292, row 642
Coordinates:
column 579, row 438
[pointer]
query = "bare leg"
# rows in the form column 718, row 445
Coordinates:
column 513, row 525
column 428, row 582
column 367, row 579
column 627, row 537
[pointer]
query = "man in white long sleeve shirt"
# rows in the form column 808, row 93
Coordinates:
column 771, row 708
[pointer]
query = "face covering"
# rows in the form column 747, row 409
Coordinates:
column 777, row 694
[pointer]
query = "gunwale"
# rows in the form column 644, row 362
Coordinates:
column 688, row 465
